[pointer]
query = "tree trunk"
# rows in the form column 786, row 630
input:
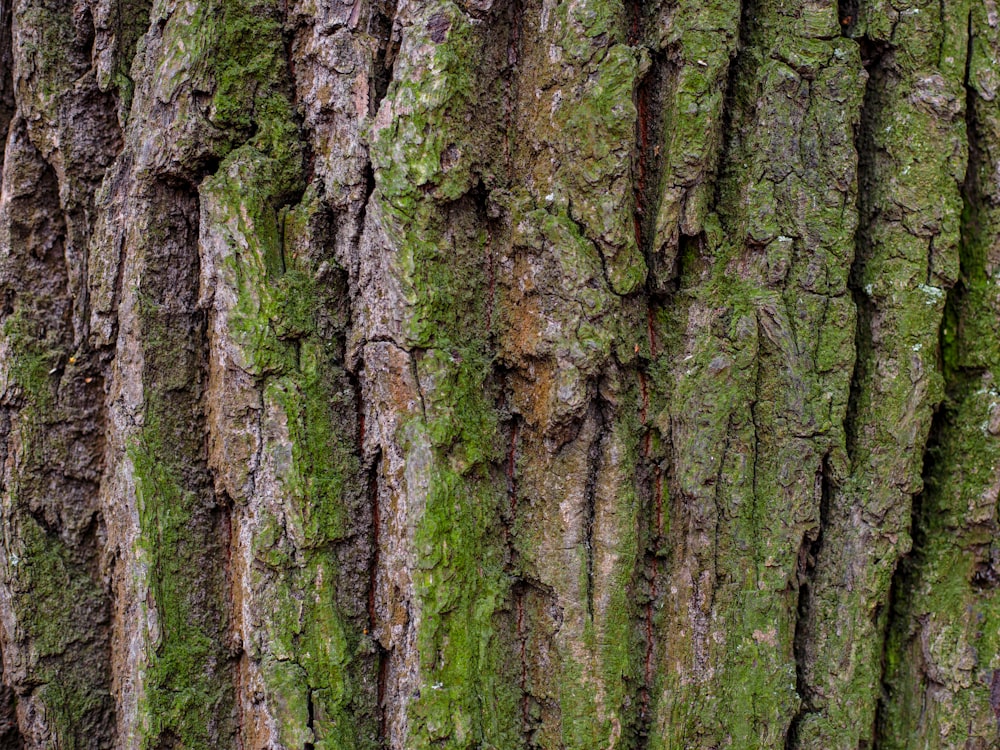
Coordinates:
column 499, row 374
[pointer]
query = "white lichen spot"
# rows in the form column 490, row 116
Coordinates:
column 933, row 293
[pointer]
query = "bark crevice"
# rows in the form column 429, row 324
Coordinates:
column 595, row 455
column 872, row 53
column 514, row 394
column 809, row 552
column 903, row 620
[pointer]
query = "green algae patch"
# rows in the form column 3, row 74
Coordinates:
column 279, row 324
column 322, row 458
column 31, row 366
column 186, row 688
column 941, row 666
column 425, row 168
column 420, row 149
column 467, row 698
column 598, row 177
column 308, row 675
column 56, row 600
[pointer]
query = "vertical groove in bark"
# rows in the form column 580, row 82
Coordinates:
column 119, row 26
column 382, row 25
column 652, row 91
column 7, row 102
column 871, row 56
column 656, row 91
column 594, row 457
column 55, row 616
column 692, row 48
column 912, row 154
column 344, row 58
column 809, row 552
column 653, row 462
column 941, row 666
column 10, row 732
column 760, row 375
column 479, row 374
column 187, row 694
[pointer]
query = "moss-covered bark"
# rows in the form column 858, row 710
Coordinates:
column 499, row 374
column 942, row 669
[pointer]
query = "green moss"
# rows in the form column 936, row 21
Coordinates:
column 942, row 644
column 466, row 696
column 408, row 153
column 131, row 22
column 704, row 35
column 55, row 605
column 446, row 280
column 56, row 601
column 31, row 365
column 942, row 619
column 248, row 57
column 236, row 51
column 183, row 693
column 423, row 160
column 322, row 454
column 576, row 26
column 601, row 115
column 311, row 677
column 759, row 377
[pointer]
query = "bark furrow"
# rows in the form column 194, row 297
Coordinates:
column 499, row 374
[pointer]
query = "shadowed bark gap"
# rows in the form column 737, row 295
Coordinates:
column 56, row 656
column 871, row 57
column 940, row 678
column 595, row 456
column 523, row 374
column 7, row 103
column 812, row 545
column 382, row 26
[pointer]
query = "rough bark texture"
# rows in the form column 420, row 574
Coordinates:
column 583, row 374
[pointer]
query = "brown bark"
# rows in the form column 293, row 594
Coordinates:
column 467, row 373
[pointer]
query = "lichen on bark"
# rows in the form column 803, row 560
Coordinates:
column 498, row 374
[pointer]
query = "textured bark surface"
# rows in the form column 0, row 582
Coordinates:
column 584, row 374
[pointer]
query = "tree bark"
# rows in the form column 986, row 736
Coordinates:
column 583, row 374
